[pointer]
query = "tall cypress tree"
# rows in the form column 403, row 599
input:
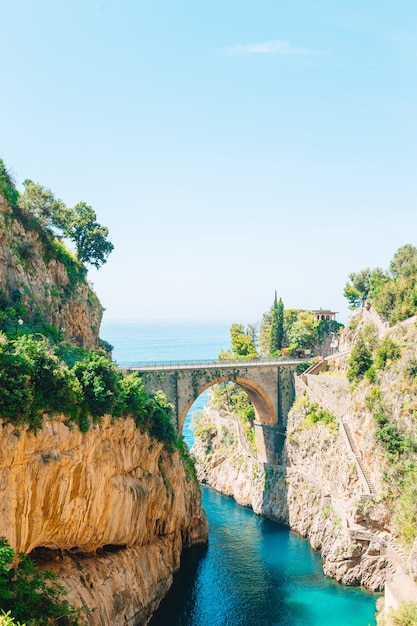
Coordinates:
column 276, row 335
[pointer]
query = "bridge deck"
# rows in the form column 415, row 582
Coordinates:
column 195, row 365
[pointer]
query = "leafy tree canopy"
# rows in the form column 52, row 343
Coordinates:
column 362, row 285
column 303, row 332
column 41, row 202
column 243, row 344
column 404, row 262
column 393, row 293
column 38, row 209
column 89, row 237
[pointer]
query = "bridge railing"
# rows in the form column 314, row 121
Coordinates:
column 209, row 363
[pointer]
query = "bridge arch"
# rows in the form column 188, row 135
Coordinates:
column 265, row 412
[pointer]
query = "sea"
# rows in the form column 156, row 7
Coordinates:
column 253, row 572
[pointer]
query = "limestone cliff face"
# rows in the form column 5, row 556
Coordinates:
column 317, row 492
column 112, row 501
column 33, row 276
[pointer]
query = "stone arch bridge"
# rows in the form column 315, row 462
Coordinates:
column 268, row 383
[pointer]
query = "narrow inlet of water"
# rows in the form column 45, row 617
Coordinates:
column 255, row 572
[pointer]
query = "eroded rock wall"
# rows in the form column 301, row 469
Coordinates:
column 317, row 492
column 115, row 496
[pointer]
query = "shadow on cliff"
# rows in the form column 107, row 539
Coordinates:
column 275, row 494
column 183, row 590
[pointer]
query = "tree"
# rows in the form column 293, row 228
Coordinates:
column 404, row 262
column 41, row 202
column 356, row 292
column 242, row 344
column 276, row 335
column 89, row 237
column 360, row 361
column 303, row 333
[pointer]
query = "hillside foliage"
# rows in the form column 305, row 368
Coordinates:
column 38, row 377
column 383, row 369
column 38, row 210
column 31, row 594
column 392, row 292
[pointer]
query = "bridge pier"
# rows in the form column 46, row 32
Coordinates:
column 269, row 444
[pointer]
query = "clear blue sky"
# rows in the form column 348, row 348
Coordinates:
column 233, row 148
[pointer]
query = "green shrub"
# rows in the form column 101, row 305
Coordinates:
column 371, row 374
column 302, row 367
column 7, row 186
column 388, row 350
column 106, row 346
column 373, row 398
column 187, row 460
column 411, row 369
column 317, row 415
column 250, row 436
column 33, row 380
column 100, row 382
column 360, row 361
column 159, row 416
column 55, row 387
column 16, row 391
column 84, row 423
column 134, row 397
column 405, row 615
column 390, row 437
column 30, row 593
column 76, row 271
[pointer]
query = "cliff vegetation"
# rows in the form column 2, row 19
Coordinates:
column 43, row 285
column 98, row 491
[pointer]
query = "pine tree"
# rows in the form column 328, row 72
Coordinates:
column 276, row 335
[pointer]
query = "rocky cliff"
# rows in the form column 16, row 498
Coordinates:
column 47, row 285
column 317, row 492
column 348, row 479
column 109, row 510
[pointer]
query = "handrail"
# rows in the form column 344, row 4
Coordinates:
column 210, row 363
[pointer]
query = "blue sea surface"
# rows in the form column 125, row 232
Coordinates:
column 253, row 572
column 141, row 342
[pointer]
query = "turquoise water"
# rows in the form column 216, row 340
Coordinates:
column 254, row 572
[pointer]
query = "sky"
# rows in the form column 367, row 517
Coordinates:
column 233, row 148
